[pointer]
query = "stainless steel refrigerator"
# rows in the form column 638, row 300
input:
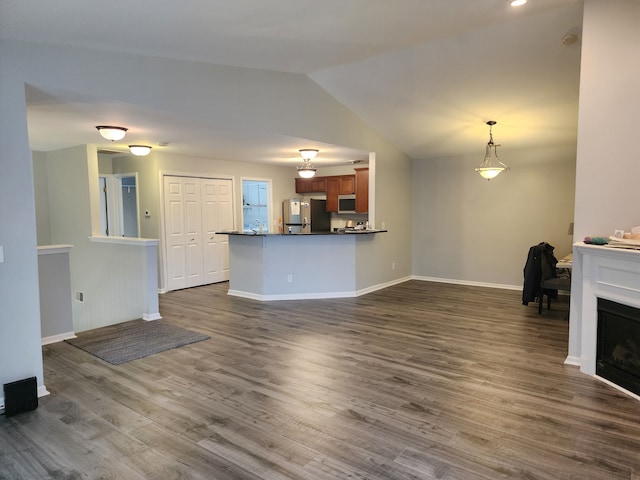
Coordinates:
column 300, row 215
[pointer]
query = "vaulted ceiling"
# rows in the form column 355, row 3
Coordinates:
column 426, row 74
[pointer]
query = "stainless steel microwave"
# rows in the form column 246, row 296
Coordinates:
column 347, row 203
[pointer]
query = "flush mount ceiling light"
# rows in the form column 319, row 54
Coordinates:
column 491, row 166
column 517, row 3
column 140, row 150
column 306, row 170
column 112, row 133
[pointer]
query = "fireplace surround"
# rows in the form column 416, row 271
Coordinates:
column 618, row 347
column 600, row 274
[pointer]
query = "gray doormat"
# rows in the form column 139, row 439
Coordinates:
column 132, row 340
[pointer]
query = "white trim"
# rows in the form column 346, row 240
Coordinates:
column 380, row 286
column 618, row 387
column 573, row 360
column 42, row 391
column 151, row 316
column 316, row 296
column 142, row 242
column 293, row 296
column 53, row 249
column 467, row 282
column 57, row 338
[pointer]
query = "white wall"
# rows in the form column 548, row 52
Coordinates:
column 41, row 197
column 20, row 350
column 111, row 277
column 472, row 230
column 608, row 168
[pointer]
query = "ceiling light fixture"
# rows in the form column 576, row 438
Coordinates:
column 112, row 133
column 518, row 3
column 306, row 170
column 140, row 150
column 491, row 166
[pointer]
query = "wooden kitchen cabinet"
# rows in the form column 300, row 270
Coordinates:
column 362, row 190
column 339, row 185
column 333, row 190
column 311, row 185
column 347, row 184
column 333, row 186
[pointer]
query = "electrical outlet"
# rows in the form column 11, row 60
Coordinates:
column 80, row 296
column 290, row 278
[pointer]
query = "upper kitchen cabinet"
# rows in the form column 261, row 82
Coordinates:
column 339, row 185
column 362, row 190
column 311, row 185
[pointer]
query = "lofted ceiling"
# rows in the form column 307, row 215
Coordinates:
column 426, row 74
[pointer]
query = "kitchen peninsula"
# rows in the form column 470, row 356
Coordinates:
column 298, row 266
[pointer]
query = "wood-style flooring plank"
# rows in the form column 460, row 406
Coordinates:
column 417, row 381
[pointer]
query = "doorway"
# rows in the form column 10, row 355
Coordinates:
column 195, row 208
column 119, row 205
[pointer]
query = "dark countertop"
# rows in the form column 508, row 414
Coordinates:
column 345, row 232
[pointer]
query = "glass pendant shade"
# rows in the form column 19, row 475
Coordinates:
column 140, row 150
column 308, row 153
column 491, row 166
column 112, row 133
column 306, row 170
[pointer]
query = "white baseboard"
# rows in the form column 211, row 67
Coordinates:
column 467, row 282
column 316, row 296
column 380, row 286
column 290, row 296
column 151, row 316
column 61, row 337
column 572, row 360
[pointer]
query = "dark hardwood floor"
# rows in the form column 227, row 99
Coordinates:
column 418, row 381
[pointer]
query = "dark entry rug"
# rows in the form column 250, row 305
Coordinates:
column 132, row 340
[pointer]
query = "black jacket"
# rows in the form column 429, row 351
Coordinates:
column 543, row 252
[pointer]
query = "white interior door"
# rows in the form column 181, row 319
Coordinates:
column 193, row 230
column 175, row 238
column 217, row 214
column 205, row 207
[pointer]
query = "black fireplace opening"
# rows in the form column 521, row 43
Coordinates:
column 618, row 347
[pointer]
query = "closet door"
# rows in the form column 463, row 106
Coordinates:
column 174, row 238
column 193, row 231
column 217, row 215
column 195, row 209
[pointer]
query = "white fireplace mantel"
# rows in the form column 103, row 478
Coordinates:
column 598, row 272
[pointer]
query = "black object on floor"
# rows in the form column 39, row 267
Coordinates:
column 20, row 396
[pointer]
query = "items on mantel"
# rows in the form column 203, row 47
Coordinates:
column 619, row 239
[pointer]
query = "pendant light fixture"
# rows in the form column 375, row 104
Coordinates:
column 140, row 150
column 306, row 170
column 491, row 166
column 112, row 133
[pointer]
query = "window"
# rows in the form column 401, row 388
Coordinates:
column 256, row 195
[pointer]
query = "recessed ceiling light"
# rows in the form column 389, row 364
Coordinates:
column 517, row 3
